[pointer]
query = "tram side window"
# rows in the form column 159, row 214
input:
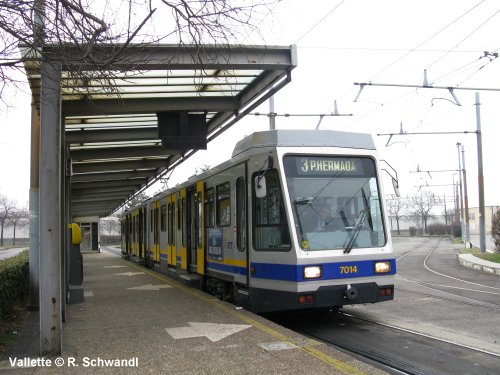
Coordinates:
column 223, row 205
column 270, row 224
column 209, row 208
column 156, row 231
column 140, row 230
column 163, row 220
column 179, row 215
column 131, row 227
column 134, row 232
column 171, row 226
column 241, row 214
column 184, row 231
column 199, row 219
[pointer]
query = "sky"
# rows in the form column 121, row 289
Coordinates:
column 387, row 42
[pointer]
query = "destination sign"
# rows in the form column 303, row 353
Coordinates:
column 329, row 165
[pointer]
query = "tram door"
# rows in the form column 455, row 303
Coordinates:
column 195, row 228
column 140, row 232
column 199, row 227
column 182, row 237
column 190, row 228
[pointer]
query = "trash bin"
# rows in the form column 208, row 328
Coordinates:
column 75, row 266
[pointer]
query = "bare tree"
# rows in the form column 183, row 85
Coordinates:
column 139, row 198
column 396, row 207
column 202, row 168
column 449, row 216
column 420, row 207
column 110, row 224
column 495, row 230
column 7, row 207
column 78, row 27
column 18, row 218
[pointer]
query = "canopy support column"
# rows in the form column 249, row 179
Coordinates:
column 50, row 209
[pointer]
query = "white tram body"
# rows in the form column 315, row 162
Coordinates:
column 295, row 220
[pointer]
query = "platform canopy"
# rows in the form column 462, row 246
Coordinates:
column 129, row 121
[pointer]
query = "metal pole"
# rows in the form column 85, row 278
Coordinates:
column 272, row 114
column 34, row 249
column 466, row 200
column 461, row 196
column 34, row 198
column 445, row 213
column 64, row 227
column 50, row 209
column 482, row 229
column 455, row 199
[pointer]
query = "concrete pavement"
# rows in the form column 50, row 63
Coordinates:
column 471, row 261
column 138, row 321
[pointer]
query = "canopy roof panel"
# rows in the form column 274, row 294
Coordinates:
column 110, row 107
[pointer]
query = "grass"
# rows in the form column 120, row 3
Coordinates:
column 491, row 257
column 10, row 326
column 6, row 246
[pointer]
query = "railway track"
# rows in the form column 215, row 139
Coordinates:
column 369, row 335
column 448, row 292
column 394, row 349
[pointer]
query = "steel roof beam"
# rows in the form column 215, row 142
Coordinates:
column 112, row 135
column 122, row 165
column 118, row 152
column 177, row 57
column 95, row 205
column 97, row 198
column 124, row 106
column 90, row 192
column 111, row 176
column 108, row 184
column 86, row 199
column 101, row 212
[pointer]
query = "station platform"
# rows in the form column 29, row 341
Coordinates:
column 135, row 320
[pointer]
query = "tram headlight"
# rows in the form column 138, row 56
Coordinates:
column 312, row 272
column 383, row 267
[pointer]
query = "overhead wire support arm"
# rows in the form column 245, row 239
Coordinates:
column 424, row 86
column 425, row 133
column 444, row 170
column 450, row 88
column 430, row 133
column 300, row 114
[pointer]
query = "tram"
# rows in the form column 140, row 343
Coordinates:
column 294, row 220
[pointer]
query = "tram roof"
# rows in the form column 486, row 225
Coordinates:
column 309, row 138
column 110, row 115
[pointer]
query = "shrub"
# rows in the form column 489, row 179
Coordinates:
column 438, row 229
column 456, row 230
column 413, row 231
column 495, row 230
column 106, row 239
column 14, row 279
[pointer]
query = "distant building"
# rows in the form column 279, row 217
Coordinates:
column 474, row 218
column 405, row 224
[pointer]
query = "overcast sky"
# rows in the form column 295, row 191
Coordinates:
column 343, row 42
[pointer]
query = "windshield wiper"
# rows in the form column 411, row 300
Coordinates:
column 303, row 200
column 368, row 209
column 355, row 231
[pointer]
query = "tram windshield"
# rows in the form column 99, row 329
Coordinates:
column 336, row 202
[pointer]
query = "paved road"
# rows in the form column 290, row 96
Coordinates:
column 4, row 254
column 474, row 238
column 436, row 296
